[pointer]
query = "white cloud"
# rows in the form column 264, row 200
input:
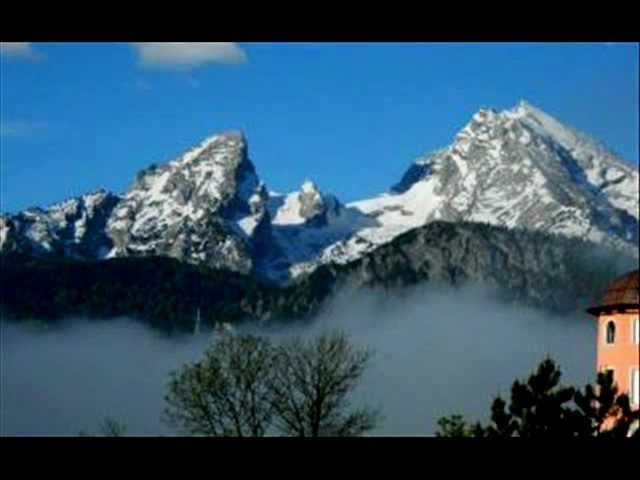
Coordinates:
column 19, row 50
column 188, row 55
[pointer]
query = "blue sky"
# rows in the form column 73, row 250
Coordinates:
column 351, row 117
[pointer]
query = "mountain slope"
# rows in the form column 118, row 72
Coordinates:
column 552, row 272
column 520, row 169
column 307, row 221
column 207, row 206
column 73, row 228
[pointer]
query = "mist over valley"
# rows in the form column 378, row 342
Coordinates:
column 436, row 353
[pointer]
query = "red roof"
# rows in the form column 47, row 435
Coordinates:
column 623, row 292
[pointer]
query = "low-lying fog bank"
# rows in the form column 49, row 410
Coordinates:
column 437, row 353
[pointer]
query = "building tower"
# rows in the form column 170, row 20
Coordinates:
column 618, row 341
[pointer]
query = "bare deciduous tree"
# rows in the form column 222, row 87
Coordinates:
column 226, row 393
column 313, row 380
column 108, row 428
column 245, row 386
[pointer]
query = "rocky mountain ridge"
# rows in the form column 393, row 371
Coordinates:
column 518, row 169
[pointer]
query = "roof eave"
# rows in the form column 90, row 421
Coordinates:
column 615, row 307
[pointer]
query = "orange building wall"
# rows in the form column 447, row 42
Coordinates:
column 623, row 354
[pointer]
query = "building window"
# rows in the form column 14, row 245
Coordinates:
column 636, row 331
column 635, row 387
column 611, row 332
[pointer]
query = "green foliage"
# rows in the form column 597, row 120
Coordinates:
column 542, row 407
column 246, row 386
column 453, row 426
column 537, row 408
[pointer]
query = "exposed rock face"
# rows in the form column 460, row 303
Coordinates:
column 519, row 169
column 317, row 209
column 309, row 207
column 73, row 228
column 207, row 206
column 419, row 170
column 306, row 222
column 557, row 273
column 534, row 268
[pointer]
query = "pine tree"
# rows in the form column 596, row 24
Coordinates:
column 543, row 407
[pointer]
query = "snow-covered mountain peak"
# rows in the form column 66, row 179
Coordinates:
column 307, row 222
column 547, row 125
column 309, row 187
column 485, row 114
column 523, row 107
column 519, row 168
column 207, row 205
column 216, row 144
column 211, row 172
column 488, row 122
column 308, row 206
column 543, row 124
column 73, row 227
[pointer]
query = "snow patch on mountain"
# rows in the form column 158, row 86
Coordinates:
column 73, row 227
column 520, row 168
column 306, row 222
column 206, row 206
